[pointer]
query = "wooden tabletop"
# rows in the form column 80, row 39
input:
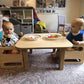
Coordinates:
column 43, row 43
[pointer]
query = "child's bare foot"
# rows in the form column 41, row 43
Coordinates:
column 80, row 48
column 75, row 49
column 55, row 59
column 70, row 49
column 15, row 51
column 53, row 55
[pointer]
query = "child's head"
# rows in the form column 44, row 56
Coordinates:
column 76, row 25
column 8, row 28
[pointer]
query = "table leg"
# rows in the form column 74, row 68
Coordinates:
column 53, row 50
column 62, row 53
column 31, row 51
column 25, row 56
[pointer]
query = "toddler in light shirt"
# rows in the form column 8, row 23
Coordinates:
column 10, row 37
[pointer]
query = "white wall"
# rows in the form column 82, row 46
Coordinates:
column 81, row 7
column 50, row 20
column 72, row 10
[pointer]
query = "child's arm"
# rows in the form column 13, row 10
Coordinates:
column 63, row 33
column 20, row 34
column 75, row 42
column 78, row 42
column 81, row 42
column 8, row 35
column 3, row 42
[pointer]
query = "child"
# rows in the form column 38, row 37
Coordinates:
column 74, row 36
column 9, row 38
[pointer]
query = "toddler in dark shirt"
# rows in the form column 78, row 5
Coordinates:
column 74, row 36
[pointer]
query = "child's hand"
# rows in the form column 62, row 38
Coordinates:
column 8, row 35
column 15, row 51
column 75, row 42
column 63, row 33
column 21, row 33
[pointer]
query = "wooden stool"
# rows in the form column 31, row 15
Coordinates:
column 10, row 60
column 74, row 57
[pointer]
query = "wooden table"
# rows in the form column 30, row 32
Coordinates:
column 43, row 43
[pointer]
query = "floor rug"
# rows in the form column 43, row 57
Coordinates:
column 42, row 71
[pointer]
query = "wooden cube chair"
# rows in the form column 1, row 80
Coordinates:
column 10, row 60
column 74, row 57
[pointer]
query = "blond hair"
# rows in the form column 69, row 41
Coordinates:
column 79, row 22
column 6, row 24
